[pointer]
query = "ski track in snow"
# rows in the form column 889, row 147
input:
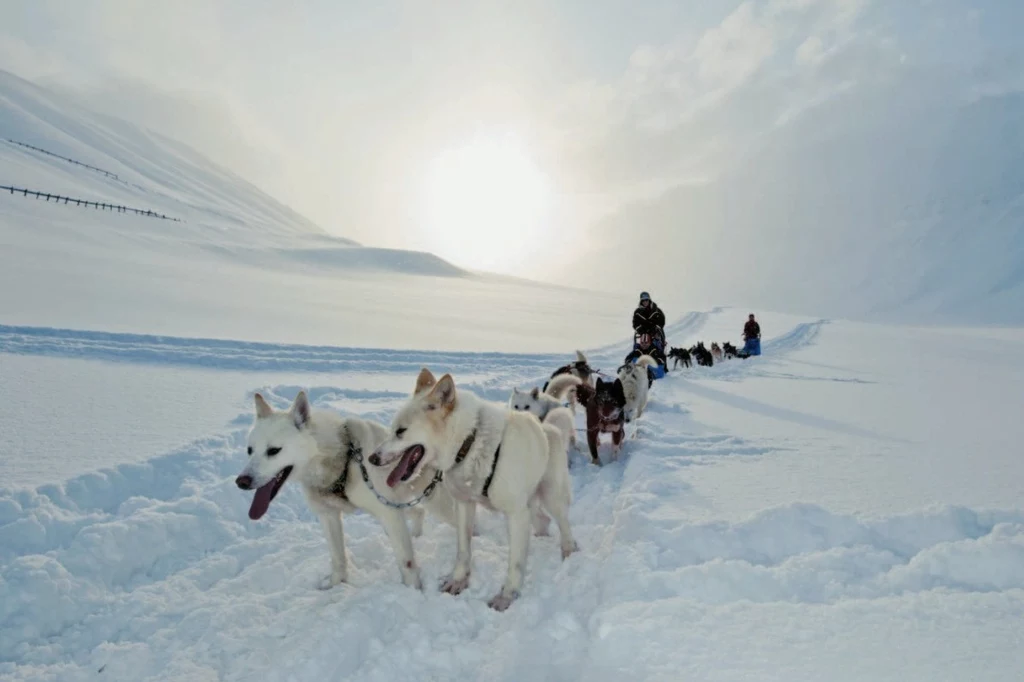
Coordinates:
column 154, row 568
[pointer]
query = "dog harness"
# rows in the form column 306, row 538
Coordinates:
column 338, row 487
column 355, row 452
column 467, row 445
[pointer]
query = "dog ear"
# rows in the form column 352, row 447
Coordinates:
column 580, row 356
column 300, row 410
column 424, row 381
column 619, row 392
column 535, row 393
column 263, row 410
column 443, row 392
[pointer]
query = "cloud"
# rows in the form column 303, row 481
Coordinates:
column 688, row 109
column 337, row 109
column 729, row 54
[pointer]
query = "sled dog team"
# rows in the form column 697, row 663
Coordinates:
column 446, row 451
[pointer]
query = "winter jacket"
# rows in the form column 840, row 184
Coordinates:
column 751, row 330
column 648, row 320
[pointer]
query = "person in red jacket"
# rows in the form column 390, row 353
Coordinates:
column 752, row 336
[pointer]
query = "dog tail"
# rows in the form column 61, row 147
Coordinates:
column 561, row 385
column 557, row 473
column 564, row 422
column 585, row 393
column 646, row 361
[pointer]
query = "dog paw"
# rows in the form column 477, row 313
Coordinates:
column 503, row 600
column 568, row 550
column 453, row 586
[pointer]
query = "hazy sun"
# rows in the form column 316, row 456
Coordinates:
column 486, row 205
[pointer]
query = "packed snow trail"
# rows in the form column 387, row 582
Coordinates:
column 152, row 570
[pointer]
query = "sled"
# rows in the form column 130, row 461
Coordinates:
column 657, row 371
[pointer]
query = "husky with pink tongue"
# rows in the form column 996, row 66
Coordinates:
column 325, row 452
column 488, row 455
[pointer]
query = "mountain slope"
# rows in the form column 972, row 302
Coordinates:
column 858, row 209
column 239, row 264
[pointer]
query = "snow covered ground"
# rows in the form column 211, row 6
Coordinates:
column 846, row 507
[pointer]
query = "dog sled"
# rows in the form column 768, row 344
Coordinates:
column 655, row 341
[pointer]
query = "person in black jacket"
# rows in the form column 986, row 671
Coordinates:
column 648, row 318
column 644, row 346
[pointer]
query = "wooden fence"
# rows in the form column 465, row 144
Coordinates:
column 64, row 158
column 58, row 199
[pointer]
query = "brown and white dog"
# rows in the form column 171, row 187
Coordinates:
column 606, row 413
column 716, row 351
column 486, row 454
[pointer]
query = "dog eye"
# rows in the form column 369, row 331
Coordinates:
column 399, row 432
column 250, row 449
column 272, row 451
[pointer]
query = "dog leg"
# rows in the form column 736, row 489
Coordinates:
column 458, row 580
column 541, row 521
column 592, row 443
column 555, row 494
column 442, row 505
column 334, row 531
column 414, row 517
column 393, row 521
column 518, row 548
column 617, row 438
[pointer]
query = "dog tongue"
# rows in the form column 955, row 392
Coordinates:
column 400, row 469
column 261, row 500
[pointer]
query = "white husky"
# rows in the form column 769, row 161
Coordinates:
column 507, row 461
column 636, row 386
column 323, row 451
column 548, row 405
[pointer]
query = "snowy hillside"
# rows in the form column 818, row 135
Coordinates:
column 856, row 208
column 239, row 265
column 803, row 515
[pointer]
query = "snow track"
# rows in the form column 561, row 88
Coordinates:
column 152, row 570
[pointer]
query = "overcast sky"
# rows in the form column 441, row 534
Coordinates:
column 338, row 107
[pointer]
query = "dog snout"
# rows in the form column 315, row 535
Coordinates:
column 375, row 459
column 244, row 481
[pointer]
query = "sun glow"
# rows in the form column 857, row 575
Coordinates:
column 486, row 205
